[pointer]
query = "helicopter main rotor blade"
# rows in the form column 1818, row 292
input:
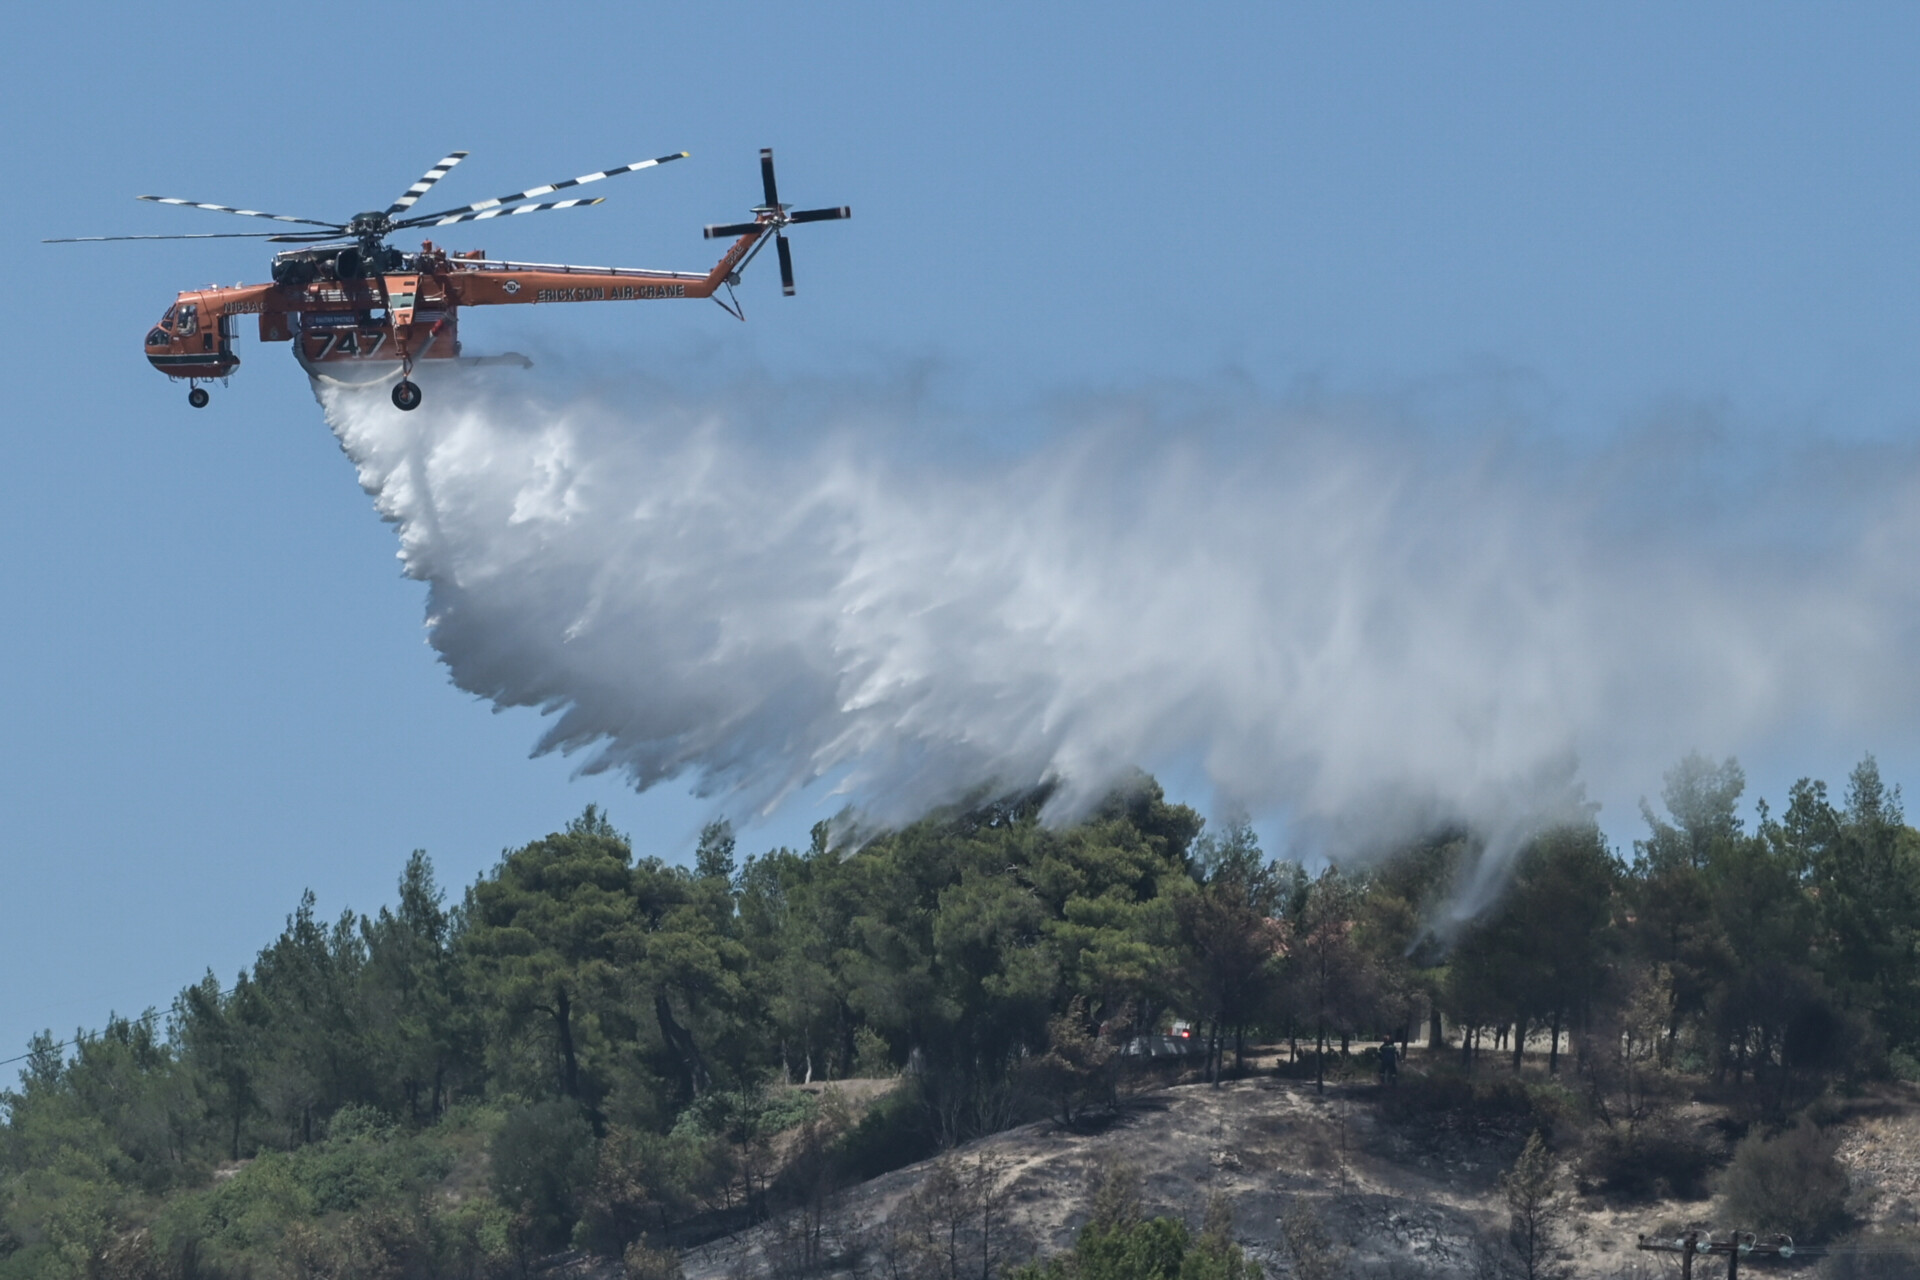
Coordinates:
column 713, row 231
column 483, row 205
column 245, row 213
column 204, row 235
column 425, row 184
column 820, row 215
column 502, row 213
column 766, row 178
column 786, row 265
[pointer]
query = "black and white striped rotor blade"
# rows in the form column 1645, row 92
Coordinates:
column 767, row 184
column 245, row 213
column 501, row 213
column 716, row 230
column 203, row 235
column 786, row 266
column 820, row 215
column 426, row 182
column 482, row 206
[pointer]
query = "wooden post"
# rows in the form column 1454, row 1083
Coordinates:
column 1692, row 1245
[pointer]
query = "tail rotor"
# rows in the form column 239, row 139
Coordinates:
column 772, row 215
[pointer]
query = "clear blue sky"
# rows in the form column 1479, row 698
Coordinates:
column 215, row 683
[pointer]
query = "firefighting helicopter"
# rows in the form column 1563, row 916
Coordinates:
column 349, row 300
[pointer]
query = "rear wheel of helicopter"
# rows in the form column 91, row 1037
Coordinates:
column 198, row 397
column 406, row 396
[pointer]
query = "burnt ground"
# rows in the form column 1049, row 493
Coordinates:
column 1400, row 1197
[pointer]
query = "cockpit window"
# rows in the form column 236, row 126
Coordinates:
column 168, row 318
column 157, row 338
column 188, row 320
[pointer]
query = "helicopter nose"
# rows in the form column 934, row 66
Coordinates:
column 158, row 340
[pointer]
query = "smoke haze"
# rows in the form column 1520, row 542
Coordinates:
column 1356, row 625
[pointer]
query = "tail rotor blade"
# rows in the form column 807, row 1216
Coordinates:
column 820, row 215
column 772, row 219
column 766, row 178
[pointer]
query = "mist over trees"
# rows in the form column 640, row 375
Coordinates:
column 593, row 1045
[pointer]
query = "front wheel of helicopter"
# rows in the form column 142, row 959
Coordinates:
column 406, row 396
column 198, row 397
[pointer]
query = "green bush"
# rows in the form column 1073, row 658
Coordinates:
column 542, row 1166
column 872, row 1055
column 743, row 1115
column 242, row 1223
column 1214, row 1256
column 896, row 1131
column 64, row 1211
column 473, row 1239
column 1117, row 1244
column 1154, row 1249
column 1789, row 1183
column 643, row 1181
column 1150, row 1250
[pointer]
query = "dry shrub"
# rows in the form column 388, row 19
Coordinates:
column 644, row 1262
column 1789, row 1183
column 1873, row 1258
column 1494, row 1104
column 1652, row 1163
column 956, row 1224
column 1310, row 1248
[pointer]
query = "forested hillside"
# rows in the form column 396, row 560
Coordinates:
column 591, row 1050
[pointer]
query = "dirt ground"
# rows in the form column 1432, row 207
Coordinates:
column 1403, row 1201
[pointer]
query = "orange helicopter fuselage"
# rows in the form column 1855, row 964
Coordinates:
column 396, row 316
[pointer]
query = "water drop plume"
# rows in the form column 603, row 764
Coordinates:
column 1359, row 626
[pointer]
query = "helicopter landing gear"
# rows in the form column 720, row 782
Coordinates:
column 198, row 397
column 406, row 396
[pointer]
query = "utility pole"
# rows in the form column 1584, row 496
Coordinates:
column 1737, row 1245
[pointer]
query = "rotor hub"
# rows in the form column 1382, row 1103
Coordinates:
column 370, row 229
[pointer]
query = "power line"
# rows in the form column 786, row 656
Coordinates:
column 68, row 1044
column 1737, row 1245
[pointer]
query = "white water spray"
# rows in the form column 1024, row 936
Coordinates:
column 1362, row 628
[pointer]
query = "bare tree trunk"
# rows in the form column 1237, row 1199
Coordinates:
column 563, row 1028
column 680, row 1040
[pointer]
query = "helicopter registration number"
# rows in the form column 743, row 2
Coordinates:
column 618, row 293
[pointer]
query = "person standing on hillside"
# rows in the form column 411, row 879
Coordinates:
column 1389, row 1063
